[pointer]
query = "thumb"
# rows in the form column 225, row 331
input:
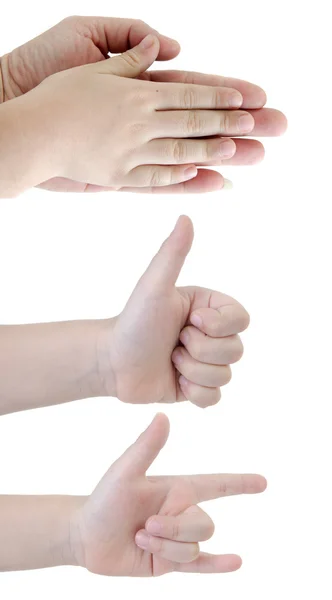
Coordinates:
column 133, row 62
column 139, row 456
column 166, row 265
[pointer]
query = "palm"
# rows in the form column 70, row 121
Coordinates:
column 123, row 514
column 144, row 338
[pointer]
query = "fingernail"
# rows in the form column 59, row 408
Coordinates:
column 184, row 337
column 235, row 100
column 142, row 540
column 227, row 148
column 148, row 42
column 190, row 172
column 228, row 185
column 153, row 527
column 177, row 357
column 196, row 320
column 246, row 123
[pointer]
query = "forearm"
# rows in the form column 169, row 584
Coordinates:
column 26, row 153
column 35, row 531
column 50, row 363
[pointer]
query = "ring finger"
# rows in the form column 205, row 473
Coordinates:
column 170, row 151
column 200, row 373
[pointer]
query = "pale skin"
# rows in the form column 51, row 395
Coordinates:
column 148, row 130
column 133, row 524
column 169, row 344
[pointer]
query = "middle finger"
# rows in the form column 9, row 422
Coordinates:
column 201, row 123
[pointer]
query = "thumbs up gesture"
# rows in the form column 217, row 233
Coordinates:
column 171, row 343
column 140, row 526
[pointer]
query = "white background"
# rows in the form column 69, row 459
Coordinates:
column 267, row 242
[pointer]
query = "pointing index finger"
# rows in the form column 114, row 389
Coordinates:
column 211, row 487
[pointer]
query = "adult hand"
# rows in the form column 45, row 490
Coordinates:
column 77, row 41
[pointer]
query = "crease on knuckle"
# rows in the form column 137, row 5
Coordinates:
column 194, row 124
column 189, row 98
column 131, row 58
column 219, row 98
column 179, row 151
column 225, row 122
column 155, row 178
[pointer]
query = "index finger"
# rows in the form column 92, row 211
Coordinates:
column 211, row 487
column 227, row 320
column 253, row 95
column 187, row 97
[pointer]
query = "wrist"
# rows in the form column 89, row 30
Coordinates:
column 26, row 156
column 106, row 375
column 64, row 538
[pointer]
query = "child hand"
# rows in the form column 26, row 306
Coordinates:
column 106, row 128
column 78, row 41
column 141, row 526
column 171, row 343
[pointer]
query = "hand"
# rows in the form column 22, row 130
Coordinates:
column 108, row 130
column 82, row 40
column 171, row 343
column 74, row 42
column 141, row 526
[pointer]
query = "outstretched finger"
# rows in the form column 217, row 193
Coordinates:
column 211, row 487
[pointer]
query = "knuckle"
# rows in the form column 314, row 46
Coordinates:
column 219, row 98
column 131, row 58
column 194, row 124
column 226, row 375
column 208, row 529
column 179, row 151
column 244, row 320
column 175, row 530
column 156, row 179
column 140, row 23
column 225, row 122
column 71, row 19
column 189, row 97
column 237, row 351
